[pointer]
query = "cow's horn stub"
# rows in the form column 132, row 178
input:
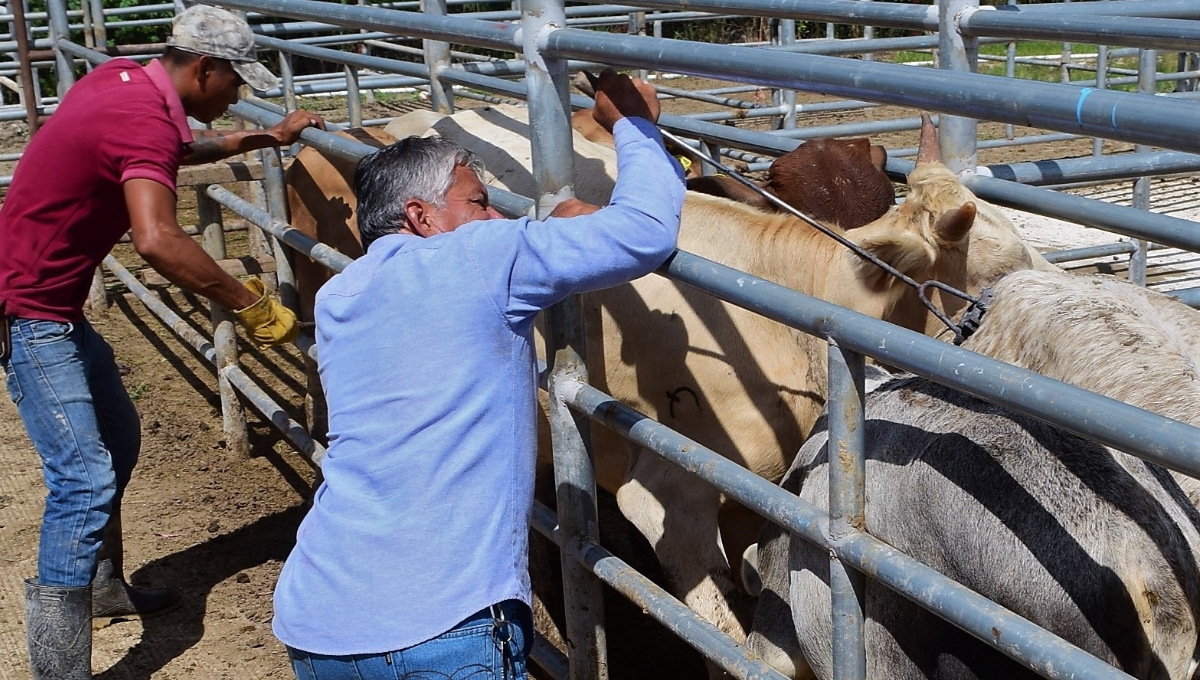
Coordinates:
column 585, row 83
column 929, row 151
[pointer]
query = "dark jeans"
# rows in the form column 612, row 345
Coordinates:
column 472, row 650
column 64, row 380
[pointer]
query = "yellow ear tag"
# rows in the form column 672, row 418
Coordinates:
column 685, row 162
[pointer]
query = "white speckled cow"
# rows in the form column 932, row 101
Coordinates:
column 1092, row 544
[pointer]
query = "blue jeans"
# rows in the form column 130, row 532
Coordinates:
column 64, row 380
column 472, row 650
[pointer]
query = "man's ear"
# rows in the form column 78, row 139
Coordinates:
column 205, row 66
column 417, row 214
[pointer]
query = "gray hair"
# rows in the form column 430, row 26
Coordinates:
column 414, row 167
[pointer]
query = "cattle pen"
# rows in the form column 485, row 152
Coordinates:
column 547, row 45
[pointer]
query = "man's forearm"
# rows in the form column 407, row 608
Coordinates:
column 214, row 145
column 184, row 263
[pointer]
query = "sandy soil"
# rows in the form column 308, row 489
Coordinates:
column 218, row 527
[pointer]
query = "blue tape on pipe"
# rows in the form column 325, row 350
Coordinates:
column 1083, row 94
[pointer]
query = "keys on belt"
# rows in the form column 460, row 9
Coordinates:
column 5, row 338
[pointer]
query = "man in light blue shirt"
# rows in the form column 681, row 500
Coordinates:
column 413, row 558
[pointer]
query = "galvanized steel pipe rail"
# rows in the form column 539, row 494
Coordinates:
column 1141, row 119
column 1071, row 23
column 293, row 430
column 1024, row 642
column 1119, row 219
column 286, row 233
column 703, row 636
column 1169, row 443
column 1163, row 441
column 1122, row 116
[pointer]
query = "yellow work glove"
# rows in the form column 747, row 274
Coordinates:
column 267, row 322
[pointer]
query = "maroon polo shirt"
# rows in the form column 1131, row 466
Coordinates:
column 66, row 207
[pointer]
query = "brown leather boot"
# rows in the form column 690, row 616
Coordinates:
column 112, row 597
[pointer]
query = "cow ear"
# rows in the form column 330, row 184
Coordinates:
column 906, row 252
column 953, row 226
column 878, row 156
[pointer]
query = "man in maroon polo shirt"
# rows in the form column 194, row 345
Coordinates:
column 104, row 164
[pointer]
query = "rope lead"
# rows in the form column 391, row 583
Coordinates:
column 961, row 332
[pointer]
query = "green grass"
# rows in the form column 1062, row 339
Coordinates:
column 1050, row 70
column 139, row 391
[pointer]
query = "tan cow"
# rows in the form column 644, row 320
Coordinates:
column 742, row 385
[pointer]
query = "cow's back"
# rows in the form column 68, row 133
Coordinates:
column 321, row 203
column 1051, row 526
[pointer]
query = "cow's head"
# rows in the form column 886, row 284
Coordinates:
column 925, row 238
column 839, row 181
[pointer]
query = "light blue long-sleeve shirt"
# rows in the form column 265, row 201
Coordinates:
column 428, row 364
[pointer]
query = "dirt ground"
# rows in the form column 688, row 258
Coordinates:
column 215, row 526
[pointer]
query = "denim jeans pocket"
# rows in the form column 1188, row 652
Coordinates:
column 301, row 664
column 467, row 653
column 38, row 332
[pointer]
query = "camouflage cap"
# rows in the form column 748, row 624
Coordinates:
column 219, row 33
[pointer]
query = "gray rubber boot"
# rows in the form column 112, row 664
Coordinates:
column 112, row 597
column 58, row 631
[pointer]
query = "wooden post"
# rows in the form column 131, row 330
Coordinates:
column 233, row 415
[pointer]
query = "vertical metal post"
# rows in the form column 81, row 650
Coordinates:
column 956, row 134
column 1147, row 84
column 64, row 69
column 574, row 477
column 830, row 32
column 1065, row 64
column 868, row 34
column 365, row 50
column 37, row 86
column 60, row 29
column 714, row 152
column 99, row 30
column 212, row 231
column 1101, row 83
column 273, row 185
column 437, row 57
column 288, row 77
column 637, row 26
column 29, row 93
column 847, row 498
column 233, row 416
column 89, row 38
column 97, row 293
column 259, row 248
column 1181, row 66
column 353, row 97
column 1010, row 71
column 785, row 35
